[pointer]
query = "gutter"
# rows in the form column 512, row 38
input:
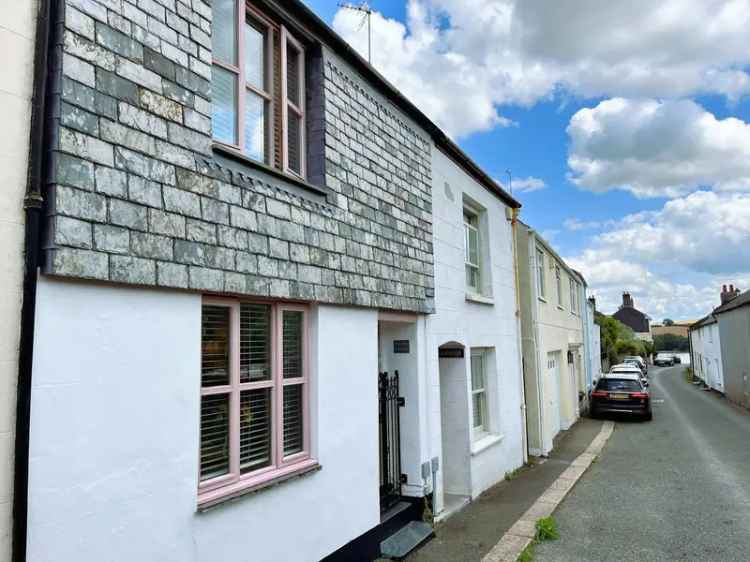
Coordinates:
column 33, row 208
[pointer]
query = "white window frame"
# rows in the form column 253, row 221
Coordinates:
column 573, row 296
column 477, row 267
column 479, row 431
column 540, row 274
column 558, row 284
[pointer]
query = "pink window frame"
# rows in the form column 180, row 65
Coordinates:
column 234, row 482
column 245, row 10
column 287, row 105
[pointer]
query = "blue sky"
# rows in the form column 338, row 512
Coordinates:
column 651, row 141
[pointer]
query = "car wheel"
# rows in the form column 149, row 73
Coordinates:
column 649, row 416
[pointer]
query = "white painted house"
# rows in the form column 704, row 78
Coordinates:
column 475, row 388
column 553, row 340
column 706, row 352
column 592, row 332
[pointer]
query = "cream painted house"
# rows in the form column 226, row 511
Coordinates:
column 553, row 340
column 17, row 46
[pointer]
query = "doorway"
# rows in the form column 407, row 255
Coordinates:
column 553, row 396
column 454, row 425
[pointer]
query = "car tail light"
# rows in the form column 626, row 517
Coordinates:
column 639, row 395
column 600, row 393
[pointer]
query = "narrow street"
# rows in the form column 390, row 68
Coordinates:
column 677, row 488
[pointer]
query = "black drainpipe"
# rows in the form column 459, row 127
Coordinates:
column 33, row 203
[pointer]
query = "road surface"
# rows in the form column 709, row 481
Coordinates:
column 674, row 489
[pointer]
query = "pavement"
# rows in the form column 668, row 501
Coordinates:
column 674, row 489
column 470, row 534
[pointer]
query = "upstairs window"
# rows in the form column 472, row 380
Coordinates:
column 258, row 87
column 540, row 285
column 254, row 418
column 573, row 299
column 558, row 282
column 472, row 251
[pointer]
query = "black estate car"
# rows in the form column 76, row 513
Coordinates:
column 621, row 393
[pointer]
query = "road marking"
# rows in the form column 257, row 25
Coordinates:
column 657, row 401
column 518, row 537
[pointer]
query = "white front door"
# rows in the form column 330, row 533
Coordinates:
column 553, row 396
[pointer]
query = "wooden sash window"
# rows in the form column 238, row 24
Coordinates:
column 258, row 87
column 254, row 419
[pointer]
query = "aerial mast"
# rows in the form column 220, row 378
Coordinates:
column 366, row 11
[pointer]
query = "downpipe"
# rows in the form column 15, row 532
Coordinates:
column 33, row 208
column 516, row 277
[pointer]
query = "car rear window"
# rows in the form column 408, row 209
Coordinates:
column 619, row 384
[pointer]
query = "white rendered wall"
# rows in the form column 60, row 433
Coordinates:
column 16, row 72
column 706, row 342
column 115, row 435
column 472, row 324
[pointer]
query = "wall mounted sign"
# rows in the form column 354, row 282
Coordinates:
column 451, row 353
column 400, row 346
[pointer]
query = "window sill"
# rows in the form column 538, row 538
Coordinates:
column 213, row 498
column 485, row 442
column 242, row 159
column 542, row 299
column 481, row 299
column 560, row 307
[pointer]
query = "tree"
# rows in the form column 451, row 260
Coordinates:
column 617, row 339
column 671, row 342
column 668, row 322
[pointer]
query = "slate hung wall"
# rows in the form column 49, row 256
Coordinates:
column 138, row 195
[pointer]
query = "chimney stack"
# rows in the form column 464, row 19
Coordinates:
column 627, row 300
column 728, row 294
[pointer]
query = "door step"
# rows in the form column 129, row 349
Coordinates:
column 406, row 539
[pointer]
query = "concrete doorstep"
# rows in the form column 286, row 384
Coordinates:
column 520, row 535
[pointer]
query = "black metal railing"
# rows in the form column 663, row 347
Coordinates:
column 390, row 439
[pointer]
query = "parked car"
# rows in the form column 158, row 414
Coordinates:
column 630, row 369
column 641, row 362
column 677, row 359
column 664, row 360
column 622, row 393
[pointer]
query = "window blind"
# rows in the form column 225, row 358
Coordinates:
column 293, row 424
column 255, row 429
column 215, row 346
column 214, row 455
column 255, row 342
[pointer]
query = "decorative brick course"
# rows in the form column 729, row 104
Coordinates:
column 137, row 196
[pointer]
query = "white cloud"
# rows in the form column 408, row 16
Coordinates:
column 673, row 260
column 575, row 225
column 490, row 53
column 527, row 185
column 657, row 148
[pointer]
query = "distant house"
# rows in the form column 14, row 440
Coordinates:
column 634, row 318
column 679, row 328
column 733, row 317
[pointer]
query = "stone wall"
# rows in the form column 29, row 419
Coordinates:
column 137, row 195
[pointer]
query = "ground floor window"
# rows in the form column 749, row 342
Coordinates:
column 480, row 418
column 254, row 414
